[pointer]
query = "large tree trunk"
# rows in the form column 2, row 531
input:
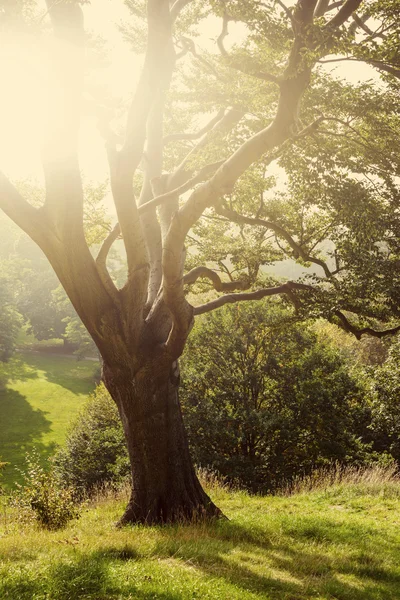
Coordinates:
column 165, row 487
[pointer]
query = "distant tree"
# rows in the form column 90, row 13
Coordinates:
column 336, row 143
column 10, row 319
column 385, row 397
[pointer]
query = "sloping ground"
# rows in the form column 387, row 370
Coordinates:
column 342, row 543
column 43, row 395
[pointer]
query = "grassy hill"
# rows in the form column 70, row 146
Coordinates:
column 43, row 395
column 335, row 543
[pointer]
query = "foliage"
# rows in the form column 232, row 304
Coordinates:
column 385, row 398
column 44, row 497
column 2, row 467
column 10, row 319
column 265, row 398
column 95, row 450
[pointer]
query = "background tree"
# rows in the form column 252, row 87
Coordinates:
column 141, row 328
column 10, row 318
column 265, row 398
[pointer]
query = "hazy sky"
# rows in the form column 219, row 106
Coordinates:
column 25, row 81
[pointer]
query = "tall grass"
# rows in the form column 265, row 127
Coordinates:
column 370, row 479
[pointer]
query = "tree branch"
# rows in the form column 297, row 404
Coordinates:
column 101, row 260
column 194, row 136
column 223, row 34
column 359, row 332
column 298, row 250
column 177, row 7
column 28, row 218
column 155, row 76
column 219, row 285
column 343, row 13
column 286, row 288
column 204, row 172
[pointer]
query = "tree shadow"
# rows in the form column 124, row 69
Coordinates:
column 21, row 428
column 85, row 576
column 73, row 375
column 290, row 570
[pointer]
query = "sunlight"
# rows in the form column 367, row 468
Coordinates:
column 22, row 104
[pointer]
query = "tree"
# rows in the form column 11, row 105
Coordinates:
column 141, row 328
column 265, row 398
column 10, row 319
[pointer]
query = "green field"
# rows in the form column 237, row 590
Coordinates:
column 341, row 543
column 42, row 397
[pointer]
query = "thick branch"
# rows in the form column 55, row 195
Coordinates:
column 101, row 260
column 177, row 7
column 286, row 288
column 223, row 34
column 358, row 332
column 28, row 218
column 218, row 285
column 344, row 13
column 154, row 78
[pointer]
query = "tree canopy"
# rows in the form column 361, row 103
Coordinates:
column 288, row 161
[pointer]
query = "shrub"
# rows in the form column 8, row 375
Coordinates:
column 44, row 497
column 95, row 452
column 265, row 399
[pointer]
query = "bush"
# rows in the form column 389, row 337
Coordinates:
column 95, row 451
column 44, row 497
column 266, row 399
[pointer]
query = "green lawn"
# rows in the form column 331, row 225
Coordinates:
column 42, row 397
column 342, row 543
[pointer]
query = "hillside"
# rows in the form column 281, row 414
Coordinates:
column 43, row 395
column 335, row 543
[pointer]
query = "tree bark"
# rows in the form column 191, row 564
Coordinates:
column 165, row 487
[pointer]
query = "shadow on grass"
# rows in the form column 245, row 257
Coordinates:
column 21, row 428
column 316, row 572
column 86, row 576
column 250, row 559
column 69, row 373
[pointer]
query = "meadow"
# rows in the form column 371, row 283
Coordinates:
column 41, row 398
column 335, row 542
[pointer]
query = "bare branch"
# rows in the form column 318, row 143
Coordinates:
column 218, row 284
column 359, row 332
column 344, row 13
column 106, row 245
column 205, row 172
column 286, row 288
column 360, row 22
column 287, row 11
column 101, row 261
column 223, row 34
column 298, row 250
column 177, row 7
column 225, row 124
column 173, row 137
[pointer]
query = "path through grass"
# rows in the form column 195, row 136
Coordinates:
column 40, row 401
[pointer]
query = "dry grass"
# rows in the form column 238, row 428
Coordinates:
column 337, row 475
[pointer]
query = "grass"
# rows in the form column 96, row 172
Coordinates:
column 338, row 542
column 42, row 396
